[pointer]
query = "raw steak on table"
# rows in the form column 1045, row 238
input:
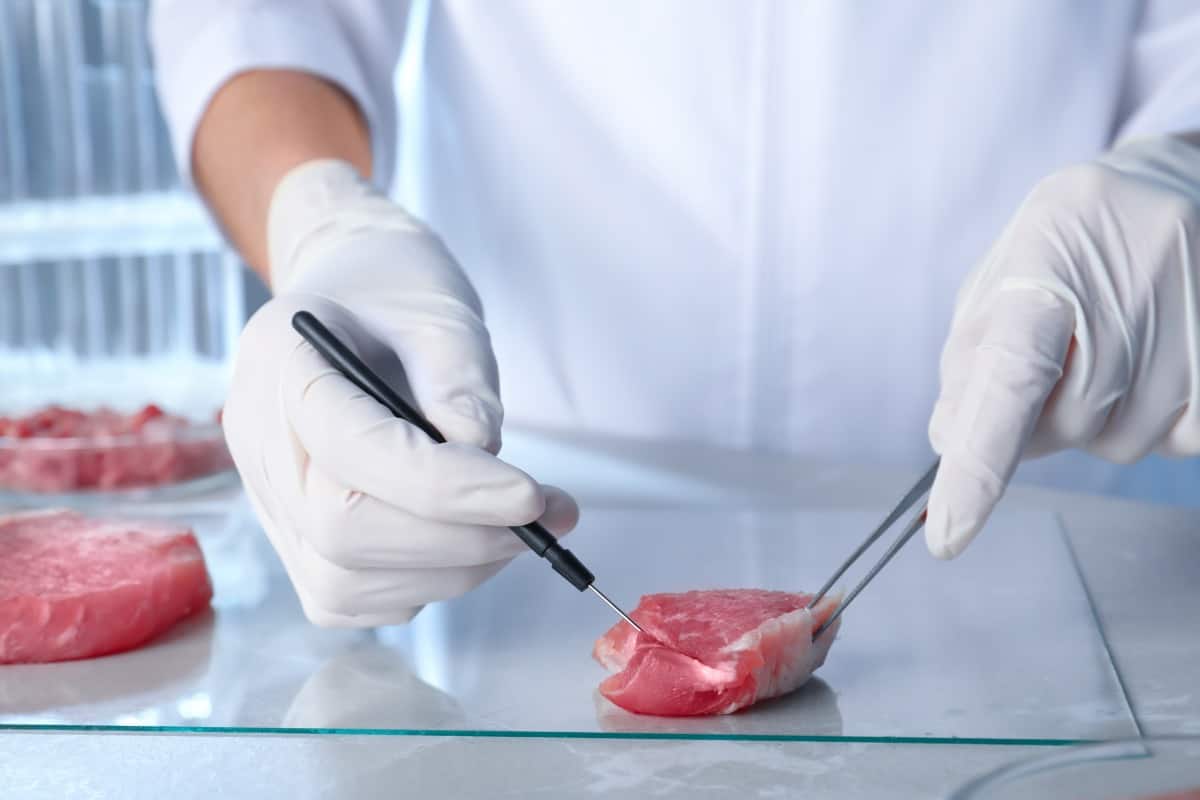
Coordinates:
column 713, row 652
column 76, row 587
column 59, row 449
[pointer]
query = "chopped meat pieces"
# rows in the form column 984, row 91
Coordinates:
column 58, row 449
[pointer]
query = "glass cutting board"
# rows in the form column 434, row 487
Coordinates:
column 1000, row 645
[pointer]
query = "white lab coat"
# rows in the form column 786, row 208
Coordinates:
column 737, row 222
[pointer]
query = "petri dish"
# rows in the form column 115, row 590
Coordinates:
column 69, row 456
column 1163, row 768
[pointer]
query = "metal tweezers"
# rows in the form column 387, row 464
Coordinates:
column 908, row 501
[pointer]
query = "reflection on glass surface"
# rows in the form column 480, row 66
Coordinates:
column 364, row 685
column 1165, row 768
column 195, row 707
column 430, row 646
column 998, row 645
column 115, row 688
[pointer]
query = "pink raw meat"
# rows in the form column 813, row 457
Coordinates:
column 76, row 587
column 58, row 449
column 713, row 652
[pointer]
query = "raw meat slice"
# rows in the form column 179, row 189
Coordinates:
column 713, row 652
column 76, row 587
column 58, row 449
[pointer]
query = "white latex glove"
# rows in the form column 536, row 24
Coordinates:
column 370, row 517
column 1080, row 329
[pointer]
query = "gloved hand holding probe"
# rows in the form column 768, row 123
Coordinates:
column 371, row 518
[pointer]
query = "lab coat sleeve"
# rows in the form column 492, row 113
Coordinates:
column 356, row 44
column 1162, row 81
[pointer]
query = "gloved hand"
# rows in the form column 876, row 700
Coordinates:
column 1080, row 329
column 370, row 517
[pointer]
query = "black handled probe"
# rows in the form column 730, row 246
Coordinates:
column 538, row 539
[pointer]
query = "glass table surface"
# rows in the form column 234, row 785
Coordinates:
column 1000, row 646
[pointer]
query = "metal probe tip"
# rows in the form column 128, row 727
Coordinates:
column 615, row 607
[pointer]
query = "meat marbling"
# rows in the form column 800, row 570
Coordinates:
column 713, row 652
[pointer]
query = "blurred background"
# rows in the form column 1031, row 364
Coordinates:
column 110, row 274
column 116, row 287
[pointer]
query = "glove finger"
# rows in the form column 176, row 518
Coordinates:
column 336, row 596
column 1015, row 366
column 562, row 512
column 431, row 319
column 956, row 361
column 1097, row 374
column 967, row 329
column 1129, row 418
column 448, row 360
column 360, row 445
column 358, row 531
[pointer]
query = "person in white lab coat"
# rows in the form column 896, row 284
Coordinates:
column 743, row 223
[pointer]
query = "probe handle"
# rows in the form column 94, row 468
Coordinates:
column 534, row 535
